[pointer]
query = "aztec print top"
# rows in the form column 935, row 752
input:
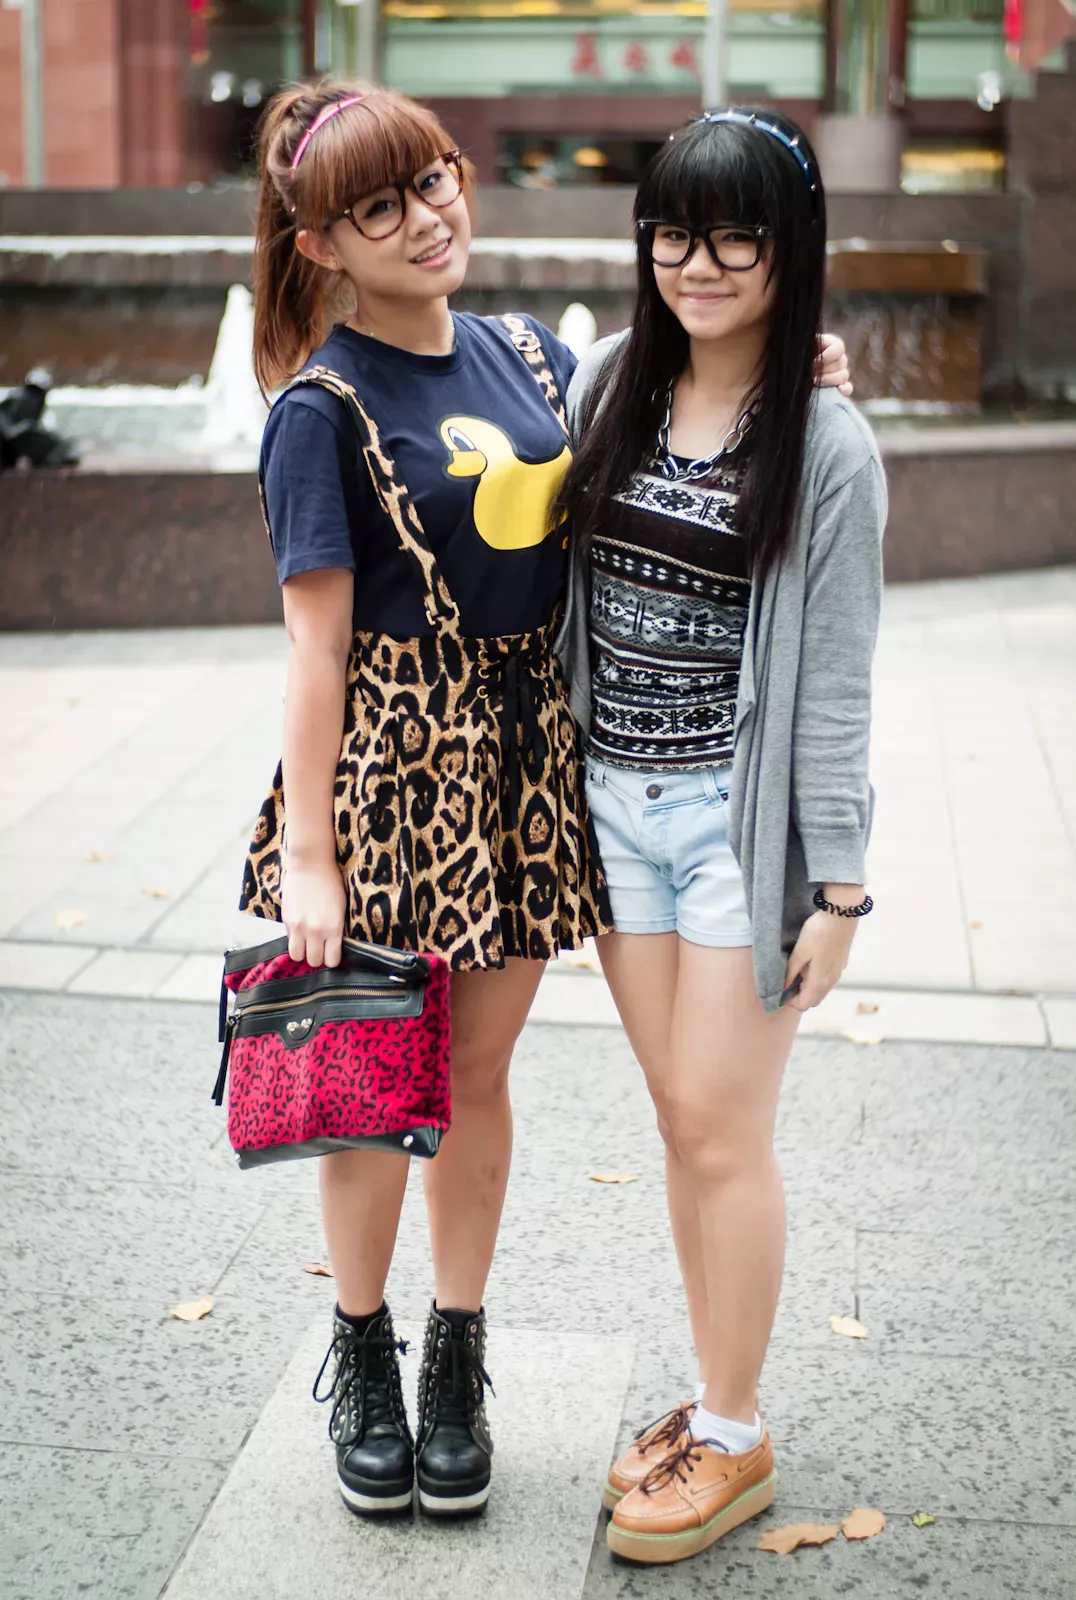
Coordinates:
column 482, row 456
column 668, row 608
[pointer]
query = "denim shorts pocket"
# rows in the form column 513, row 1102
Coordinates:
column 716, row 784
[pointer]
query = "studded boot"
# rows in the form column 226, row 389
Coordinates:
column 454, row 1445
column 375, row 1462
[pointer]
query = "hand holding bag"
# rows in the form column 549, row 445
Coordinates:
column 334, row 1058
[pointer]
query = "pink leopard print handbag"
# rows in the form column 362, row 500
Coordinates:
column 334, row 1058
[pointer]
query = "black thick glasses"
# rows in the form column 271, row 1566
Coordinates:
column 730, row 245
column 380, row 215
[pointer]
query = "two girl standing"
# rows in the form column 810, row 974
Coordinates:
column 722, row 596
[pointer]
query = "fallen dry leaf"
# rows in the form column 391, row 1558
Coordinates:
column 866, row 1008
column 858, row 1037
column 782, row 1541
column 318, row 1269
column 101, row 855
column 974, row 924
column 193, row 1310
column 585, row 959
column 848, row 1327
column 157, row 894
column 614, row 1177
column 922, row 1519
column 69, row 919
column 863, row 1523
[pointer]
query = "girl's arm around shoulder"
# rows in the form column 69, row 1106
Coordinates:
column 844, row 515
column 591, row 367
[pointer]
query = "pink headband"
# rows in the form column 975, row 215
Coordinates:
column 319, row 121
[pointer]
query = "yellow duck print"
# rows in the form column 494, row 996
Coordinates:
column 513, row 499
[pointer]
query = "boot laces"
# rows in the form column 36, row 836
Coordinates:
column 457, row 1380
column 666, row 1430
column 365, row 1383
column 677, row 1465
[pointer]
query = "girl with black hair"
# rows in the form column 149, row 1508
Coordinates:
column 718, row 640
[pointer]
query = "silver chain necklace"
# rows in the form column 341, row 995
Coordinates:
column 703, row 466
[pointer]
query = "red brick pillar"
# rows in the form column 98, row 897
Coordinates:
column 82, row 94
column 11, row 99
column 154, row 106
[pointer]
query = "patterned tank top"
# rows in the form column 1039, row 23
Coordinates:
column 669, row 599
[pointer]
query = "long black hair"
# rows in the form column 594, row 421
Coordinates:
column 711, row 172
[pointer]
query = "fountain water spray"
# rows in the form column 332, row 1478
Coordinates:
column 235, row 412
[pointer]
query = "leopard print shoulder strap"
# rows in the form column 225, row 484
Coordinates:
column 441, row 610
column 529, row 346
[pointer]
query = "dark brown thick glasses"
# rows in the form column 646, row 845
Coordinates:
column 729, row 245
column 382, row 214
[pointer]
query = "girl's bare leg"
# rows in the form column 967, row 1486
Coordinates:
column 642, row 973
column 716, row 1089
column 361, row 1195
column 466, row 1180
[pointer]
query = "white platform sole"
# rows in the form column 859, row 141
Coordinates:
column 374, row 1503
column 442, row 1505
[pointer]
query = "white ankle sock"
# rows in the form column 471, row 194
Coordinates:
column 735, row 1437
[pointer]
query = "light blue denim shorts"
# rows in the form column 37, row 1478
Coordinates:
column 664, row 843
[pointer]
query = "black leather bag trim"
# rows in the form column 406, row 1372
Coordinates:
column 424, row 1142
column 329, row 1008
column 367, row 957
column 324, row 981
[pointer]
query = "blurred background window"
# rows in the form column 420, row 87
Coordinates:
column 239, row 52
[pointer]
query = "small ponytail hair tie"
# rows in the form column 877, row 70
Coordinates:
column 323, row 116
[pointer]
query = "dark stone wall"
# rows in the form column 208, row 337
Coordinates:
column 133, row 550
column 1043, row 166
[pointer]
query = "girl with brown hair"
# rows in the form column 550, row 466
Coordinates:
column 431, row 765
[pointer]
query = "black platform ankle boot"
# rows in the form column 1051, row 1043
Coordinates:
column 375, row 1453
column 454, row 1445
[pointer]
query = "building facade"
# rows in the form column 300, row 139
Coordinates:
column 541, row 93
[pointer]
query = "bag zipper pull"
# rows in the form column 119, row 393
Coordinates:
column 222, row 1074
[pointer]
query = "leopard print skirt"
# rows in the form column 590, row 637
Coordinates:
column 461, row 819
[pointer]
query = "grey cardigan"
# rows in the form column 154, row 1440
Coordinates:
column 800, row 803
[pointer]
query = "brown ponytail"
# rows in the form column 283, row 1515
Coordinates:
column 373, row 143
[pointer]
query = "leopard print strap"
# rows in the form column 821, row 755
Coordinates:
column 529, row 346
column 441, row 610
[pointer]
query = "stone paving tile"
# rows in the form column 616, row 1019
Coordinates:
column 97, row 1524
column 130, row 973
column 125, row 1374
column 197, row 978
column 40, row 966
column 960, row 1559
column 854, row 1425
column 955, row 1018
column 118, row 1241
column 1061, row 1020
column 967, row 1296
column 126, row 1095
column 562, row 1394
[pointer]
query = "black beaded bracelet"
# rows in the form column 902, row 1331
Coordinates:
column 867, row 904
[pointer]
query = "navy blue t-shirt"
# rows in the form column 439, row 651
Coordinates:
column 480, row 451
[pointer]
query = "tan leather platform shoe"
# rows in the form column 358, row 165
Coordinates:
column 649, row 1447
column 690, row 1500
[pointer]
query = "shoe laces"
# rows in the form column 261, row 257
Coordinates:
column 457, row 1380
column 666, row 1430
column 677, row 1465
column 365, row 1383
